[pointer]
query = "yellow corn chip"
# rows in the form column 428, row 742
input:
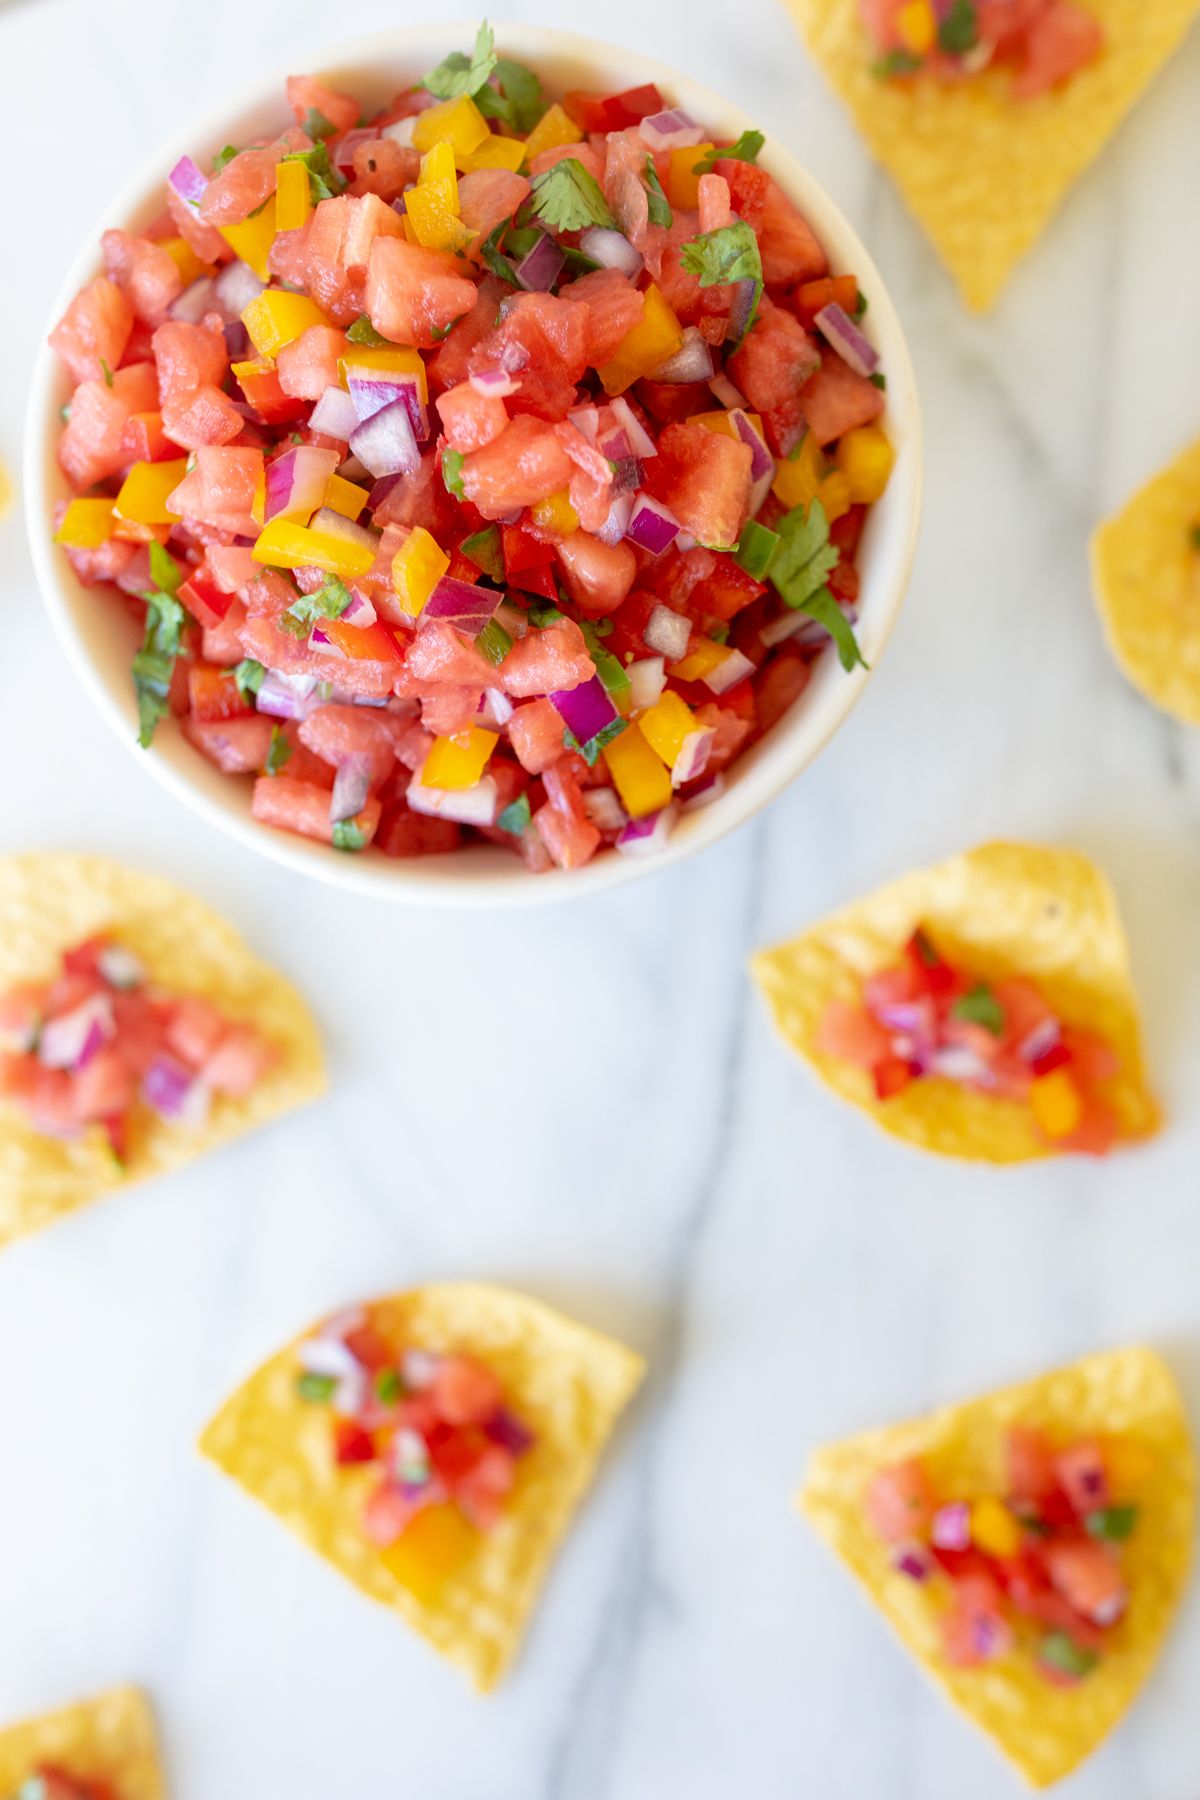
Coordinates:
column 1001, row 910
column 984, row 173
column 1146, row 573
column 109, row 1739
column 1045, row 1731
column 50, row 902
column 568, row 1384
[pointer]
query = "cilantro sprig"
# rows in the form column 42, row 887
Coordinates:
column 745, row 150
column 802, row 561
column 513, row 95
column 515, row 816
column 363, row 332
column 461, row 74
column 567, row 198
column 959, row 30
column 730, row 254
column 248, row 677
column 980, row 1007
column 590, row 751
column 317, row 126
column 329, row 602
column 154, row 664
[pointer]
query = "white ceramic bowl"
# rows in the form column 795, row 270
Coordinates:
column 100, row 649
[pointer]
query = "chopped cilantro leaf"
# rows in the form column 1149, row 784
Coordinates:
column 1060, row 1651
column 484, row 549
column 660, row 209
column 462, row 74
column 959, row 30
column 226, row 156
column 363, row 332
column 278, row 752
column 317, row 126
column 452, row 462
column 980, row 1007
column 590, row 751
column 439, row 333
column 329, row 602
column 106, row 372
column 388, row 1385
column 577, row 263
column 516, row 99
column 315, row 1387
column 860, row 304
column 879, row 381
column 493, row 643
column 516, row 817
column 802, row 561
column 248, row 676
column 347, row 835
column 498, row 264
column 154, row 664
column 719, row 634
column 756, row 548
column 730, row 254
column 745, row 150
column 1194, row 537
column 567, row 198
column 1112, row 1523
column 323, row 179
column 896, row 62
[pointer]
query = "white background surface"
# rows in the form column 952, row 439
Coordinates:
column 587, row 1102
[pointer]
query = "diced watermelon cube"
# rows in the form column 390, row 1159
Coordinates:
column 94, row 330
column 614, row 307
column 92, row 444
column 414, row 294
column 143, row 270
column 301, row 807
column 535, row 732
column 790, row 250
column 545, row 662
column 838, row 399
column 470, row 420
column 771, row 366
column 487, row 197
column 307, row 97
column 525, row 464
column 704, row 478
column 308, row 365
column 336, row 733
column 237, row 746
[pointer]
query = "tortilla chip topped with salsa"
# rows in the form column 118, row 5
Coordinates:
column 983, row 1008
column 137, row 1031
column 1029, row 1547
column 433, row 1446
column 100, row 1749
column 985, row 148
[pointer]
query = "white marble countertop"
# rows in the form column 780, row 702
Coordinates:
column 667, row 1171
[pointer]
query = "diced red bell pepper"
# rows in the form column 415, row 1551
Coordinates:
column 538, row 581
column 810, row 297
column 351, row 1444
column 613, row 112
column 740, row 700
column 262, row 390
column 671, row 401
column 463, row 569
column 522, row 551
column 935, row 977
column 843, row 583
column 204, row 599
column 214, row 694
column 892, row 1076
column 144, row 440
column 364, row 643
column 846, row 533
column 1056, row 1057
column 724, row 593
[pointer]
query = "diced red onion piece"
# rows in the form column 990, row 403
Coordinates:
column 586, row 420
column 512, row 619
column 645, row 837
column 838, row 328
column 236, row 286
column 286, row 696
column 385, row 443
column 505, row 1428
column 693, row 756
column 495, row 709
column 586, row 709
column 372, row 393
column 640, row 441
column 350, row 469
column 334, row 415
column 320, row 641
column 187, row 181
column 672, row 129
column 692, row 362
column 612, row 250
column 328, row 1356
column 615, row 445
column 296, row 483
column 461, row 604
column 722, row 389
column 1042, row 1039
column 951, row 1528
column 237, row 345
column 175, row 1093
column 120, row 967
column 743, row 306
column 540, row 267
column 195, row 301
column 647, row 679
column 348, row 143
column 603, row 807
column 71, row 1040
column 418, row 1369
column 494, row 384
column 710, row 788
column 467, row 806
column 789, row 625
column 360, row 611
column 758, row 494
column 617, row 522
column 913, row 1561
column 732, row 668
column 954, row 1062
column 667, row 632
column 351, row 785
column 761, row 461
column 400, row 131
column 1107, row 1611
column 652, row 527
column 627, row 476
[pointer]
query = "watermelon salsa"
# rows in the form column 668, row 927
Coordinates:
column 923, row 1018
column 1035, row 1571
column 1042, row 42
column 441, row 1444
column 492, row 468
column 81, row 1053
column 48, row 1781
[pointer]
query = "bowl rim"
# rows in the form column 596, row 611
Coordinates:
column 491, row 876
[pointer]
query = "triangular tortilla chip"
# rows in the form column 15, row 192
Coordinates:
column 110, row 1738
column 1043, row 1730
column 50, row 902
column 569, row 1384
column 1004, row 909
column 1146, row 573
column 984, row 173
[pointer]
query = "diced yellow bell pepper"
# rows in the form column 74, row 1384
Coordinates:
column 1056, row 1103
column 275, row 318
column 284, row 544
column 251, row 238
column 555, row 127
column 258, row 506
column 701, row 661
column 834, row 495
column 458, row 123
column 683, row 183
column 866, row 459
column 722, row 423
column 293, row 196
column 417, row 567
column 86, row 524
column 191, row 267
column 143, row 495
column 556, row 513
column 436, row 1542
column 458, row 761
column 389, row 359
column 916, row 26
column 345, row 497
column 495, row 152
column 665, row 725
column 657, row 335
column 432, row 206
column 641, row 778
column 993, row 1528
column 798, row 477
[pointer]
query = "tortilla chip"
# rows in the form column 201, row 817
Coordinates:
column 1004, row 909
column 110, row 1738
column 567, row 1383
column 48, row 903
column 984, row 173
column 1146, row 574
column 1044, row 1731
